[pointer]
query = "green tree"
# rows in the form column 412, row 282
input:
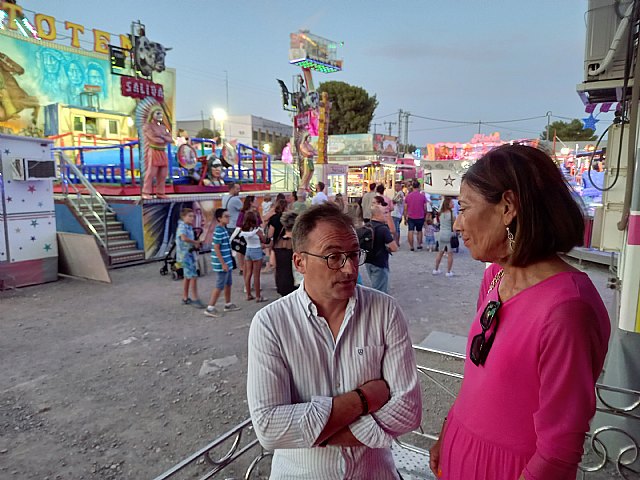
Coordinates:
column 572, row 130
column 277, row 146
column 351, row 108
column 409, row 148
column 207, row 133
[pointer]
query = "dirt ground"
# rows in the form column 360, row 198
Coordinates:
column 121, row 381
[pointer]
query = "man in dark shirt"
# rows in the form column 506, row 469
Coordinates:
column 377, row 261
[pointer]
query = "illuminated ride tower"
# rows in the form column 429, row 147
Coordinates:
column 311, row 111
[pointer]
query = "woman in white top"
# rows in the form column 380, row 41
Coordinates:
column 254, row 236
column 447, row 219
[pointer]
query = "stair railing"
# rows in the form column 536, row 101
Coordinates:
column 84, row 194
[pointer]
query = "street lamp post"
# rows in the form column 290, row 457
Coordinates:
column 220, row 115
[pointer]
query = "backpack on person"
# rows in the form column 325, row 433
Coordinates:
column 366, row 234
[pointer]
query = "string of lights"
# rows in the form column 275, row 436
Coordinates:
column 476, row 122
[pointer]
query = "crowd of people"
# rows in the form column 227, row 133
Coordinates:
column 257, row 238
column 427, row 226
column 247, row 237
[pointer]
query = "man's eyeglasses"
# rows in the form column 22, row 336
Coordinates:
column 335, row 261
column 480, row 345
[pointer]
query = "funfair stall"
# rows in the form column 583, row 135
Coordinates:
column 368, row 158
column 28, row 247
column 446, row 162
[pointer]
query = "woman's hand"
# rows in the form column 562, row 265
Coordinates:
column 434, row 459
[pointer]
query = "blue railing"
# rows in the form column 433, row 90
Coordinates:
column 123, row 172
column 253, row 165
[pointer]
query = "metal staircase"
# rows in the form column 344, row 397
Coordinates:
column 97, row 217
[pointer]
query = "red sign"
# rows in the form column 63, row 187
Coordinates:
column 93, row 88
column 141, row 88
column 308, row 120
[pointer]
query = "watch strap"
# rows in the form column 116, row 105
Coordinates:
column 363, row 400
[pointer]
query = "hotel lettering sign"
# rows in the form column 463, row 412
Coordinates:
column 46, row 29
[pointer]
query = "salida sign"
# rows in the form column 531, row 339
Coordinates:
column 141, row 88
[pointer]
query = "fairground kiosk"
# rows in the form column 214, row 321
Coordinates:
column 446, row 162
column 362, row 159
column 82, row 88
column 28, row 248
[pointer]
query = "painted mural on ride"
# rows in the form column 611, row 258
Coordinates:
column 51, row 78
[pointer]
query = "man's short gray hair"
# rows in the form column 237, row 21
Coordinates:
column 307, row 221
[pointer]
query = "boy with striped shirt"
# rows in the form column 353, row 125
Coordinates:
column 222, row 264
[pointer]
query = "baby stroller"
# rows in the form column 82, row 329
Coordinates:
column 171, row 265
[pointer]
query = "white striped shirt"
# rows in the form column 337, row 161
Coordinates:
column 296, row 367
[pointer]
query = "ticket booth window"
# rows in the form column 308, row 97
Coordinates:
column 78, row 124
column 91, row 126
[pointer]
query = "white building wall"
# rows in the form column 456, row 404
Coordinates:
column 248, row 129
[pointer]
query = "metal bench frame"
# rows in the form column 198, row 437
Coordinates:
column 596, row 457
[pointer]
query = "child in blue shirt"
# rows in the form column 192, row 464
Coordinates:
column 222, row 264
column 186, row 251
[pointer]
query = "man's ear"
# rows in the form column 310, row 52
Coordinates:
column 511, row 206
column 299, row 263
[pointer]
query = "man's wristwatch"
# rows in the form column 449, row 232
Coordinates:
column 363, row 400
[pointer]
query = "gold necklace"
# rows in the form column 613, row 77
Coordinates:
column 495, row 280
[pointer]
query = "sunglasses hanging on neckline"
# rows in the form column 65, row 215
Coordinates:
column 480, row 344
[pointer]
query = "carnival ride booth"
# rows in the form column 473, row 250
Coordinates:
column 368, row 159
column 446, row 162
column 75, row 125
column 371, row 171
column 336, row 178
column 584, row 172
column 443, row 177
column 28, row 246
column 406, row 169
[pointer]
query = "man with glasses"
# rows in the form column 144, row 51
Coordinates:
column 331, row 373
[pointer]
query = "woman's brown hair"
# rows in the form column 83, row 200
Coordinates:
column 549, row 219
column 249, row 222
column 281, row 206
column 446, row 204
column 248, row 202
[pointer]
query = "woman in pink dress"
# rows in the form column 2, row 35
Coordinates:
column 538, row 342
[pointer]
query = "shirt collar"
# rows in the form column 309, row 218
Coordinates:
column 310, row 307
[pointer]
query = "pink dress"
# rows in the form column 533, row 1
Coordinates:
column 526, row 411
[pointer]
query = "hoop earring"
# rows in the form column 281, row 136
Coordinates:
column 510, row 239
